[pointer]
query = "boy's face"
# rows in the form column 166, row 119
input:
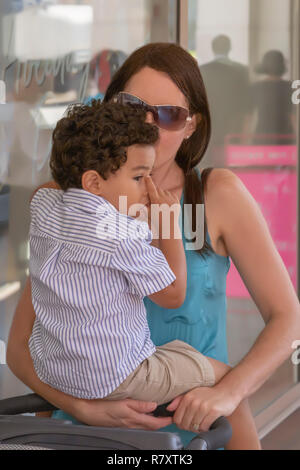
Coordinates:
column 129, row 180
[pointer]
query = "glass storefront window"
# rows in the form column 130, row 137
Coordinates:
column 53, row 53
column 244, row 49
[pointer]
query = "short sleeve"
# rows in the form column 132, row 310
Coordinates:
column 144, row 266
column 34, row 205
column 42, row 203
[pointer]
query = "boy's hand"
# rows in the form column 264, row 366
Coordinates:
column 160, row 197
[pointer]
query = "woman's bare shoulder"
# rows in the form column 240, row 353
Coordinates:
column 49, row 184
column 247, row 239
column 226, row 200
column 219, row 178
column 222, row 182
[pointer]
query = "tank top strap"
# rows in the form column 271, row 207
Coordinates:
column 203, row 175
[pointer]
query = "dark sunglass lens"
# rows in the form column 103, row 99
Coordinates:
column 124, row 98
column 171, row 117
column 167, row 117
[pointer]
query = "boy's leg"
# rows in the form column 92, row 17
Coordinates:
column 244, row 433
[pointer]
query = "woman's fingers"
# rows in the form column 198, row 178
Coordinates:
column 188, row 413
column 179, row 414
column 200, row 407
column 142, row 406
column 207, row 421
column 150, row 422
column 139, row 418
column 175, row 403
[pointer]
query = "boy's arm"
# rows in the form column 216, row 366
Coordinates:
column 173, row 295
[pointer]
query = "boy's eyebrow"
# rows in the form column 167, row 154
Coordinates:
column 141, row 167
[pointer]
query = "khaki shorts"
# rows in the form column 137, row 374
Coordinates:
column 173, row 369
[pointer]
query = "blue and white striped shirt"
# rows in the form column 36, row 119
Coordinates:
column 91, row 328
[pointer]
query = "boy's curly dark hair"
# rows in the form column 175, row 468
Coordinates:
column 95, row 137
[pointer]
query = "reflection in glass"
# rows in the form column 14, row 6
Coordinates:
column 244, row 53
column 227, row 85
column 271, row 99
column 53, row 53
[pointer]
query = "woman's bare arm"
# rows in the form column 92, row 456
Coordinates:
column 248, row 241
column 237, row 218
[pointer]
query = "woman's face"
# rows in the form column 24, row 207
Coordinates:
column 157, row 88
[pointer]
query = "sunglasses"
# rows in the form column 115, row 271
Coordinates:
column 166, row 116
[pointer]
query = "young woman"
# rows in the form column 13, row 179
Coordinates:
column 157, row 75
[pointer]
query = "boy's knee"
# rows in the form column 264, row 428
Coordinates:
column 220, row 368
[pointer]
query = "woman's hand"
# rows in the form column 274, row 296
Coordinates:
column 202, row 406
column 126, row 413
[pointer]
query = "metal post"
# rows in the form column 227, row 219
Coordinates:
column 296, row 38
column 182, row 36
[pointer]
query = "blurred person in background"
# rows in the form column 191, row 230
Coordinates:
column 227, row 87
column 271, row 103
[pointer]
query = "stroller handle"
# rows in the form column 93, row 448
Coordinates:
column 31, row 403
column 218, row 435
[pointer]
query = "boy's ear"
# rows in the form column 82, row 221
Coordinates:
column 91, row 181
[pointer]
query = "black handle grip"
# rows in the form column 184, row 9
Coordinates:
column 31, row 403
column 161, row 410
column 218, row 435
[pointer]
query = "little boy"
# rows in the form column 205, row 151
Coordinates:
column 91, row 264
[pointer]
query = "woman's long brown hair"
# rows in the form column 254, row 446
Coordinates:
column 183, row 69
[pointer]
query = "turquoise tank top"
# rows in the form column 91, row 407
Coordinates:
column 200, row 321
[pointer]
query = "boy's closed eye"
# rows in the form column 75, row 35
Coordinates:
column 137, row 178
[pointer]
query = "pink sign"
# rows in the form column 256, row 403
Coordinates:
column 275, row 190
column 271, row 155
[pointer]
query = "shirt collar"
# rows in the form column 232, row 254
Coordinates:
column 83, row 200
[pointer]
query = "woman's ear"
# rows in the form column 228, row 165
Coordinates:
column 192, row 125
column 91, row 181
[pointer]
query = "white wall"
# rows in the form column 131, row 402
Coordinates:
column 120, row 24
column 254, row 26
column 230, row 17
